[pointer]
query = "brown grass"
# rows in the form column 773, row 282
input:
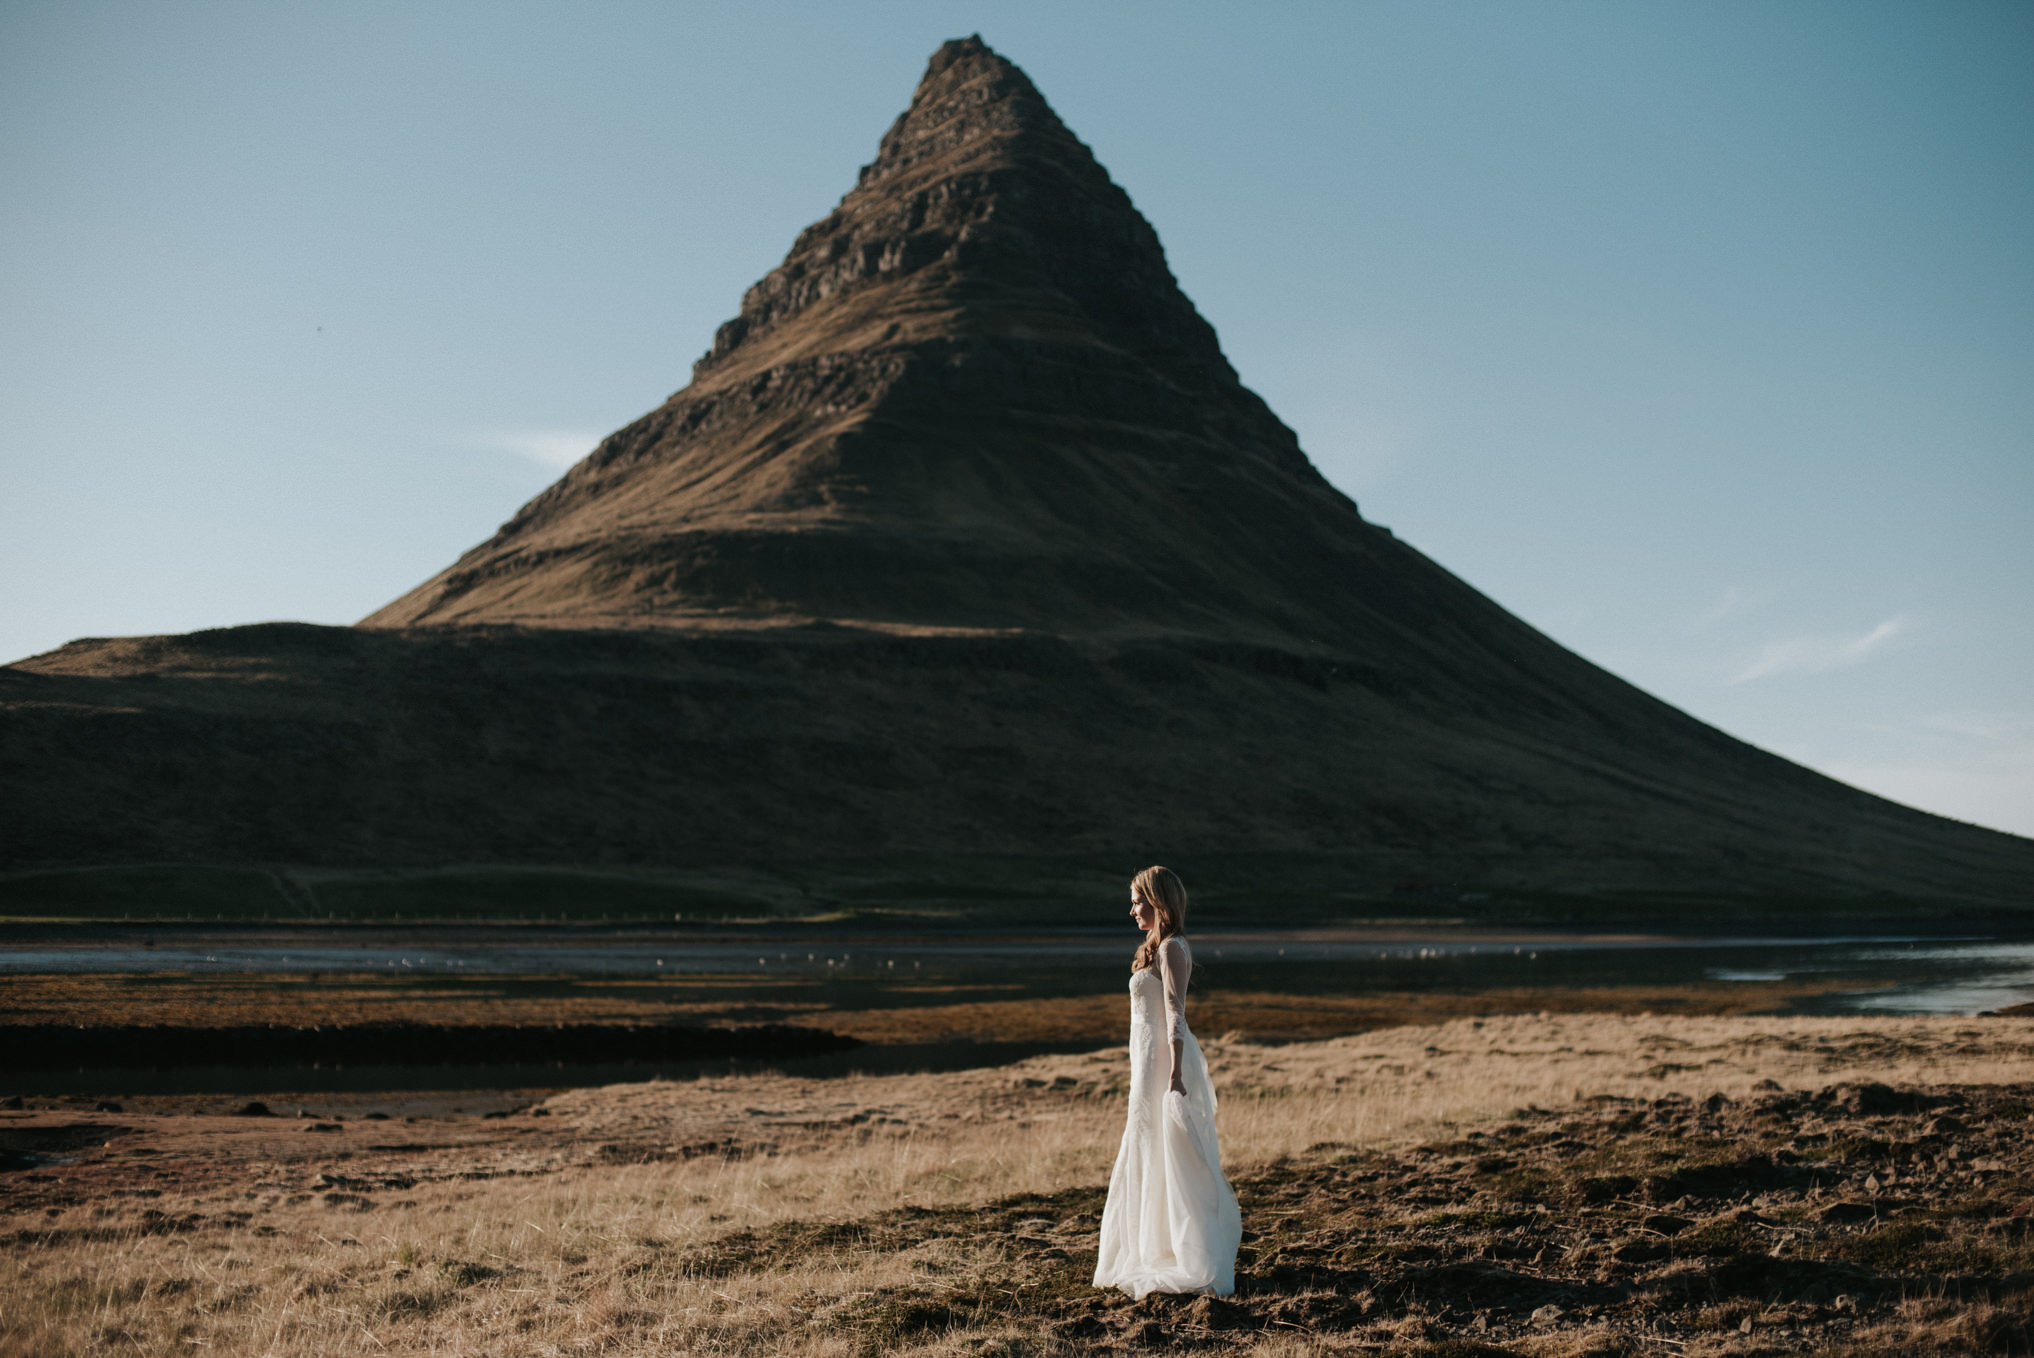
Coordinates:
column 582, row 1230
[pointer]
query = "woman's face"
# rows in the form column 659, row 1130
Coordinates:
column 1141, row 911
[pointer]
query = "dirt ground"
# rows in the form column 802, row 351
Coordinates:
column 1540, row 1184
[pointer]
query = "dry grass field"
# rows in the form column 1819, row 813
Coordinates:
column 1548, row 1184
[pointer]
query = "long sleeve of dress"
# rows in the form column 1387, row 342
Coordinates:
column 1175, row 967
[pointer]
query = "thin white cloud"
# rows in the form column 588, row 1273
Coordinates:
column 553, row 448
column 1997, row 727
column 1734, row 601
column 1813, row 655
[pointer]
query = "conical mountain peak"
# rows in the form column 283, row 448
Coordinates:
column 972, row 395
column 969, row 97
column 980, row 185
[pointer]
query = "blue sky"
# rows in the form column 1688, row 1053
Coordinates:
column 1699, row 335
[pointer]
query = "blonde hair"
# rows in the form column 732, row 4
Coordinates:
column 1166, row 894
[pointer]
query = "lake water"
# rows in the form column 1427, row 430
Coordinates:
column 1863, row 973
column 1908, row 974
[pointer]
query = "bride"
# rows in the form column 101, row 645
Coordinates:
column 1171, row 1224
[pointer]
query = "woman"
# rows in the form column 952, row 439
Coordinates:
column 1171, row 1224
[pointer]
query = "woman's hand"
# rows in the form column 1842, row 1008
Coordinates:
column 1178, row 1087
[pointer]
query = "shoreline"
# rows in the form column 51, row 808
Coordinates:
column 1382, row 931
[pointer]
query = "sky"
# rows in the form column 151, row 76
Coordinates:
column 1699, row 335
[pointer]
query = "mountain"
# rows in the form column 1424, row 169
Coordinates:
column 972, row 396
column 965, row 553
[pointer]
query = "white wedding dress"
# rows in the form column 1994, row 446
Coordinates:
column 1171, row 1224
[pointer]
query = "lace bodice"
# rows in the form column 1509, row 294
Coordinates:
column 1169, row 979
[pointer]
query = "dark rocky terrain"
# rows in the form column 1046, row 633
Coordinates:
column 1862, row 1219
column 966, row 563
